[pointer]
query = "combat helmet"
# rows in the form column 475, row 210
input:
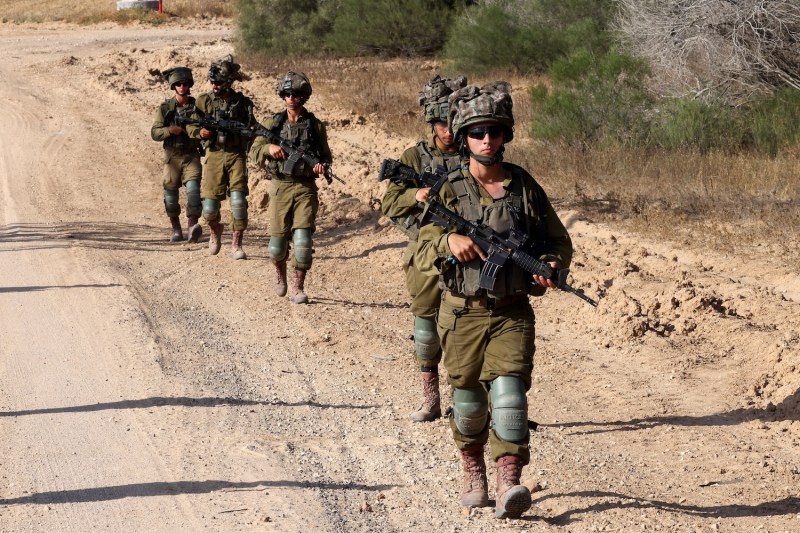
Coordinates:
column 293, row 83
column 433, row 96
column 490, row 103
column 174, row 75
column 224, row 70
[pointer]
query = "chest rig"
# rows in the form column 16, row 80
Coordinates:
column 170, row 110
column 235, row 108
column 303, row 134
column 523, row 208
column 429, row 161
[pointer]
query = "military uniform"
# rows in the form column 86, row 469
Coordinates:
column 225, row 160
column 486, row 335
column 294, row 197
column 181, row 155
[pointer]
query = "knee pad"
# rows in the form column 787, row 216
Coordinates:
column 210, row 209
column 426, row 339
column 470, row 410
column 509, row 408
column 171, row 203
column 239, row 205
column 302, row 246
column 194, row 205
column 278, row 246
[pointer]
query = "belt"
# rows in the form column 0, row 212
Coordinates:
column 484, row 302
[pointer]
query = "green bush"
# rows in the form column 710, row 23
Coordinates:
column 390, row 27
column 527, row 35
column 595, row 99
column 685, row 124
column 773, row 123
column 290, row 29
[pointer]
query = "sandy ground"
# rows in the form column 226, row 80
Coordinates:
column 151, row 387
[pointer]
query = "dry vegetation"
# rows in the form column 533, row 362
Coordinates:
column 33, row 11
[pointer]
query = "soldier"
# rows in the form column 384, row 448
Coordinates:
column 225, row 162
column 181, row 154
column 294, row 199
column 488, row 335
column 401, row 203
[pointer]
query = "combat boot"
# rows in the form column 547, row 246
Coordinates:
column 431, row 407
column 511, row 498
column 195, row 230
column 298, row 296
column 476, row 487
column 280, row 278
column 236, row 245
column 177, row 233
column 215, row 240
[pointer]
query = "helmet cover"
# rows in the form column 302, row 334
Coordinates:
column 490, row 103
column 293, row 83
column 433, row 96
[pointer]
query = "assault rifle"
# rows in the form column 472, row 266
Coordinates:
column 499, row 250
column 294, row 154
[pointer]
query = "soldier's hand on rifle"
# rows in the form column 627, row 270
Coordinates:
column 546, row 282
column 275, row 152
column 175, row 130
column 206, row 133
column 319, row 168
column 464, row 249
column 422, row 194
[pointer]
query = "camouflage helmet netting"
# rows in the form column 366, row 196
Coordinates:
column 433, row 96
column 295, row 83
column 174, row 75
column 490, row 103
column 224, row 70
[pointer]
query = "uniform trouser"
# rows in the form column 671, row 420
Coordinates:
column 425, row 297
column 179, row 168
column 224, row 172
column 481, row 345
column 293, row 205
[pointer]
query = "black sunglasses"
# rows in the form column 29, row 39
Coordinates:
column 478, row 133
column 183, row 84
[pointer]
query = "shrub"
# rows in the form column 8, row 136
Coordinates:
column 290, row 29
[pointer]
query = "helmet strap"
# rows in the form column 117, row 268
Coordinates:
column 482, row 159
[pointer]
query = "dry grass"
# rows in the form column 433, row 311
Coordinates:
column 36, row 11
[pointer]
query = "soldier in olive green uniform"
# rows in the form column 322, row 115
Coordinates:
column 488, row 335
column 294, row 199
column 225, row 162
column 401, row 203
column 181, row 155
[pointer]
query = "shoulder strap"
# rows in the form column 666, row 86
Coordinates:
column 469, row 202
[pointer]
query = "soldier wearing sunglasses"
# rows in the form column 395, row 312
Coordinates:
column 181, row 155
column 487, row 334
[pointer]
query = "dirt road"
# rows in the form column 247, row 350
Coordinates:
column 150, row 387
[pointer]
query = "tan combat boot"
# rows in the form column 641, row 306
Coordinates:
column 215, row 240
column 298, row 284
column 177, row 233
column 195, row 230
column 476, row 487
column 280, row 278
column 431, row 407
column 236, row 245
column 511, row 498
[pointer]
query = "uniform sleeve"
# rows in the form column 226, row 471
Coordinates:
column 400, row 200
column 558, row 244
column 259, row 151
column 432, row 251
column 160, row 130
column 322, row 139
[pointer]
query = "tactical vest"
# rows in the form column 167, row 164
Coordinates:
column 302, row 133
column 235, row 108
column 410, row 223
column 170, row 110
column 502, row 214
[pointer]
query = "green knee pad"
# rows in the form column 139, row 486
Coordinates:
column 278, row 246
column 470, row 410
column 302, row 246
column 239, row 205
column 194, row 205
column 171, row 203
column 509, row 408
column 426, row 339
column 210, row 209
